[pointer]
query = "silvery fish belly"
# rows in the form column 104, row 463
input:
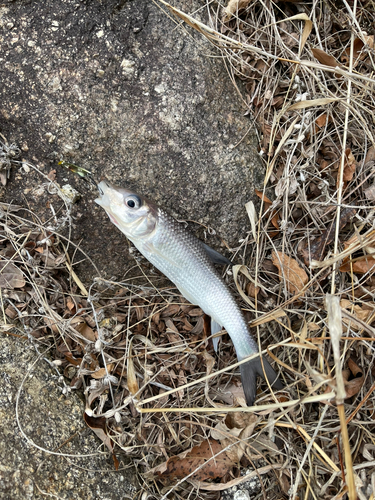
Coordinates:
column 188, row 263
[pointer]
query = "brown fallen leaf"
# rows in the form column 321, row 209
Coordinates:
column 84, row 329
column 325, row 58
column 358, row 53
column 51, row 324
column 361, row 265
column 315, row 250
column 70, row 304
column 370, row 155
column 231, row 394
column 234, row 7
column 233, row 432
column 349, row 166
column 197, row 311
column 198, row 459
column 99, row 426
column 263, row 197
column 252, row 290
column 241, row 420
column 52, row 175
column 10, row 276
column 268, row 203
column 289, row 271
column 73, row 361
column 353, row 386
column 322, row 120
column 102, row 372
column 170, row 310
column 363, row 313
column 11, row 312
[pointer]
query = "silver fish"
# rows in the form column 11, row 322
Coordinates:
column 188, row 263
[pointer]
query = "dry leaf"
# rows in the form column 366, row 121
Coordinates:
column 197, row 311
column 236, row 427
column 102, row 372
column 11, row 312
column 358, row 54
column 233, row 7
column 251, row 212
column 210, row 361
column 325, row 58
column 370, row 155
column 10, row 276
column 316, row 249
column 252, row 290
column 198, row 459
column 353, row 386
column 263, row 197
column 232, row 394
column 84, row 329
column 268, row 203
column 240, row 420
column 313, row 327
column 313, row 103
column 171, row 310
column 363, row 313
column 349, row 167
column 51, row 324
column 322, row 120
column 52, row 175
column 99, row 426
column 362, row 265
column 70, row 304
column 289, row 271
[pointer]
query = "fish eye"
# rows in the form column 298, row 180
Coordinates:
column 133, row 201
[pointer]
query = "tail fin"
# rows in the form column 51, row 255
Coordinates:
column 249, row 372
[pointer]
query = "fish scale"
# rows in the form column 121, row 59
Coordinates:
column 188, row 266
column 185, row 260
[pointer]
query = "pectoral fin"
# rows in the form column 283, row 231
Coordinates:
column 216, row 257
column 150, row 248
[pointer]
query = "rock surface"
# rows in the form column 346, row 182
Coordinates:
column 115, row 87
column 53, row 422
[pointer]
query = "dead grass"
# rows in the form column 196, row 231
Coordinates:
column 153, row 386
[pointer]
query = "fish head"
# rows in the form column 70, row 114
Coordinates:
column 134, row 215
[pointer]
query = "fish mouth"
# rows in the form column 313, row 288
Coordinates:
column 102, row 187
column 107, row 200
column 104, row 200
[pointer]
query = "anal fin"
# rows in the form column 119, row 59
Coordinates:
column 215, row 328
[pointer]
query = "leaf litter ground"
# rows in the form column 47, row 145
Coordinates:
column 155, row 391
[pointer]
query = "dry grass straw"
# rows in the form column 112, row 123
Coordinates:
column 139, row 352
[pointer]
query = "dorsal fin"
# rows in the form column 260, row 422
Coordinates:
column 216, row 257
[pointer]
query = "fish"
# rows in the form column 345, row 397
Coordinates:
column 189, row 264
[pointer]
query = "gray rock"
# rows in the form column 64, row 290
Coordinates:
column 116, row 88
column 53, row 422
